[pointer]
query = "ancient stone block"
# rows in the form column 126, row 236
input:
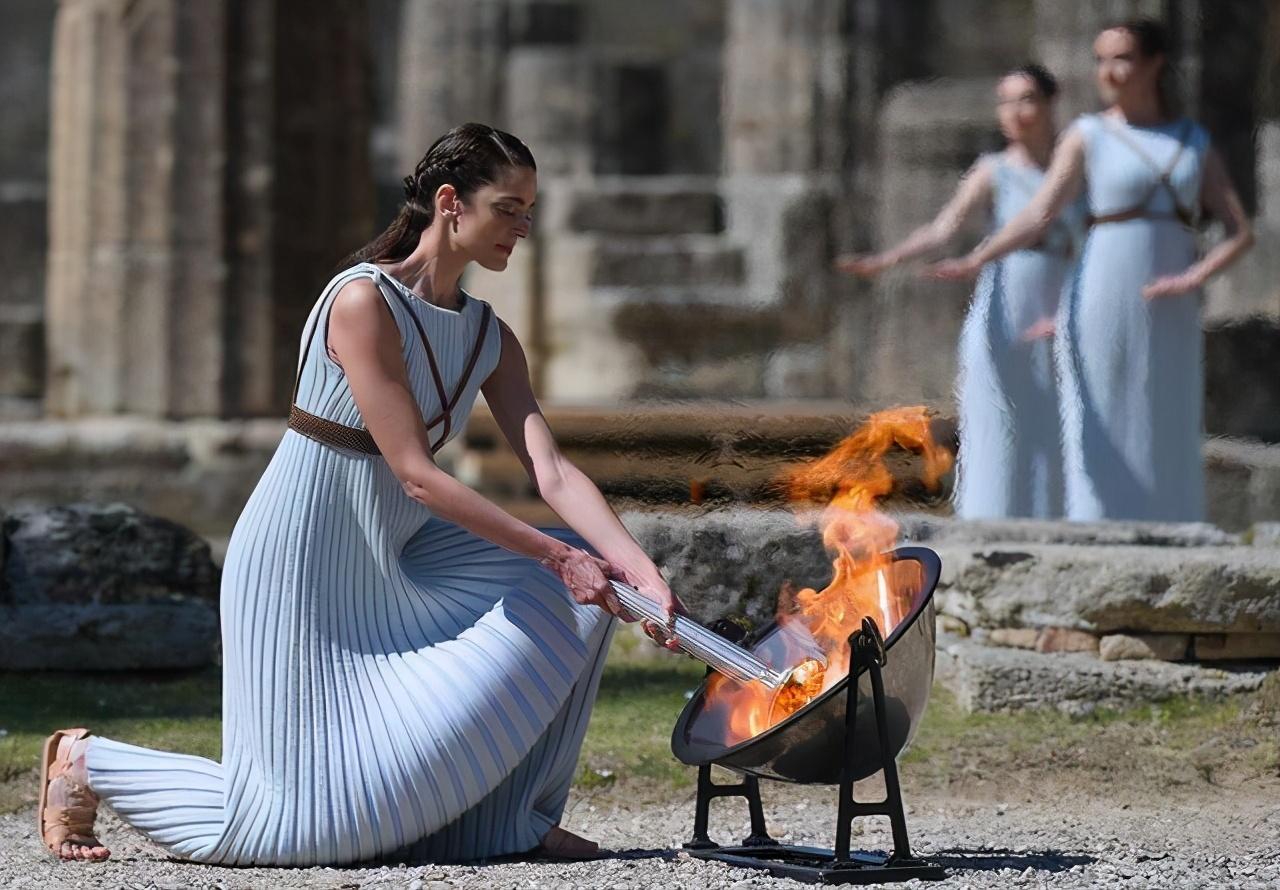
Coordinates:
column 991, row 678
column 105, row 588
column 1242, row 378
column 1064, row 639
column 1128, row 647
column 1014, row 637
column 1237, row 646
column 736, row 563
column 1104, row 589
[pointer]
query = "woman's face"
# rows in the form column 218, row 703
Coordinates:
column 496, row 216
column 1020, row 107
column 1123, row 71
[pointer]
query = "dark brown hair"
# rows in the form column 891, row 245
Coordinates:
column 1045, row 82
column 1152, row 38
column 467, row 157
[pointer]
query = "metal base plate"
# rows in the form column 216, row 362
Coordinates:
column 812, row 865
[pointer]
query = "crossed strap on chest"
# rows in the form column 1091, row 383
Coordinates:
column 1141, row 210
column 1044, row 244
column 339, row 435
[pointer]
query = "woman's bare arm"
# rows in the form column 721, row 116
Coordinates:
column 973, row 193
column 564, row 487
column 1061, row 186
column 1219, row 197
column 366, row 342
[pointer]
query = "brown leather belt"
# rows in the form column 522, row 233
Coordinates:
column 331, row 433
column 1137, row 213
column 354, row 438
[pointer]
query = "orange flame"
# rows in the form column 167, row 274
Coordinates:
column 816, row 625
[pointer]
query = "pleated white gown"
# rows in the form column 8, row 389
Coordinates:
column 394, row 686
column 1132, row 369
column 1010, row 434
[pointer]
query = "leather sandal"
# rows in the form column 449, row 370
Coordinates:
column 72, row 823
column 560, row 844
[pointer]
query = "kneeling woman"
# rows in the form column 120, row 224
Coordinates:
column 408, row 669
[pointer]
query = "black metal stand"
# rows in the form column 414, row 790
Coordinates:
column 811, row 864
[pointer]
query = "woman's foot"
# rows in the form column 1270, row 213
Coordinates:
column 564, row 844
column 67, row 806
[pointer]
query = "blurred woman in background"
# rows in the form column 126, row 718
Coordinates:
column 1129, row 346
column 1010, row 442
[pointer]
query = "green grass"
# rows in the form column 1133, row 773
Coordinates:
column 181, row 712
column 630, row 732
column 628, row 741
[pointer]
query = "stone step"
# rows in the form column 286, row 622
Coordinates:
column 671, row 260
column 990, row 678
column 1112, row 588
column 937, row 530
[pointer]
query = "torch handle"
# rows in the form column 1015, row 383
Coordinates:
column 702, row 643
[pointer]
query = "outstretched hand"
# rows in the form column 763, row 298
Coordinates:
column 960, row 269
column 863, row 265
column 1172, row 286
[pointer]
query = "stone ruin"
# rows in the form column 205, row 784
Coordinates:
column 1073, row 616
column 181, row 177
column 702, row 161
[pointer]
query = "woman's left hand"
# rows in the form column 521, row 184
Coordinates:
column 1172, row 285
column 651, row 584
column 964, row 268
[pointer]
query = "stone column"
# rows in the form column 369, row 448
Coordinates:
column 452, row 58
column 200, row 190
column 785, row 86
column 24, row 150
column 786, row 126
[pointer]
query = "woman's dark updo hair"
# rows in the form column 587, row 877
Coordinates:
column 1151, row 35
column 467, row 157
column 1152, row 38
column 1045, row 82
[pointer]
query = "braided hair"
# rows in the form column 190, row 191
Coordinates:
column 467, row 157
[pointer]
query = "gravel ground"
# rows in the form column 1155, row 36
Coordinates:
column 1215, row 837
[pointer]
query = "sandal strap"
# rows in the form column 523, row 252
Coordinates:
column 72, row 816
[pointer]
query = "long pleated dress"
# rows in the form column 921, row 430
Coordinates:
column 1010, row 461
column 394, row 686
column 1132, row 369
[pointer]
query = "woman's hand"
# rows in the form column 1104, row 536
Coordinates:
column 1173, row 285
column 863, row 265
column 586, row 578
column 1041, row 330
column 650, row 583
column 965, row 268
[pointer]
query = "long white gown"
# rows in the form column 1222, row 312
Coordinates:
column 393, row 684
column 1132, row 369
column 1010, row 461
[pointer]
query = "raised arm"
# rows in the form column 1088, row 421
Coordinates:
column 973, row 193
column 564, row 487
column 1218, row 196
column 1060, row 187
column 365, row 340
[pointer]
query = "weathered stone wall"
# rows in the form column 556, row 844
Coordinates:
column 200, row 192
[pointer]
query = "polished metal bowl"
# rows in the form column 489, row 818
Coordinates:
column 808, row 746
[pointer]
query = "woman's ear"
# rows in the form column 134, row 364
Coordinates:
column 447, row 202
